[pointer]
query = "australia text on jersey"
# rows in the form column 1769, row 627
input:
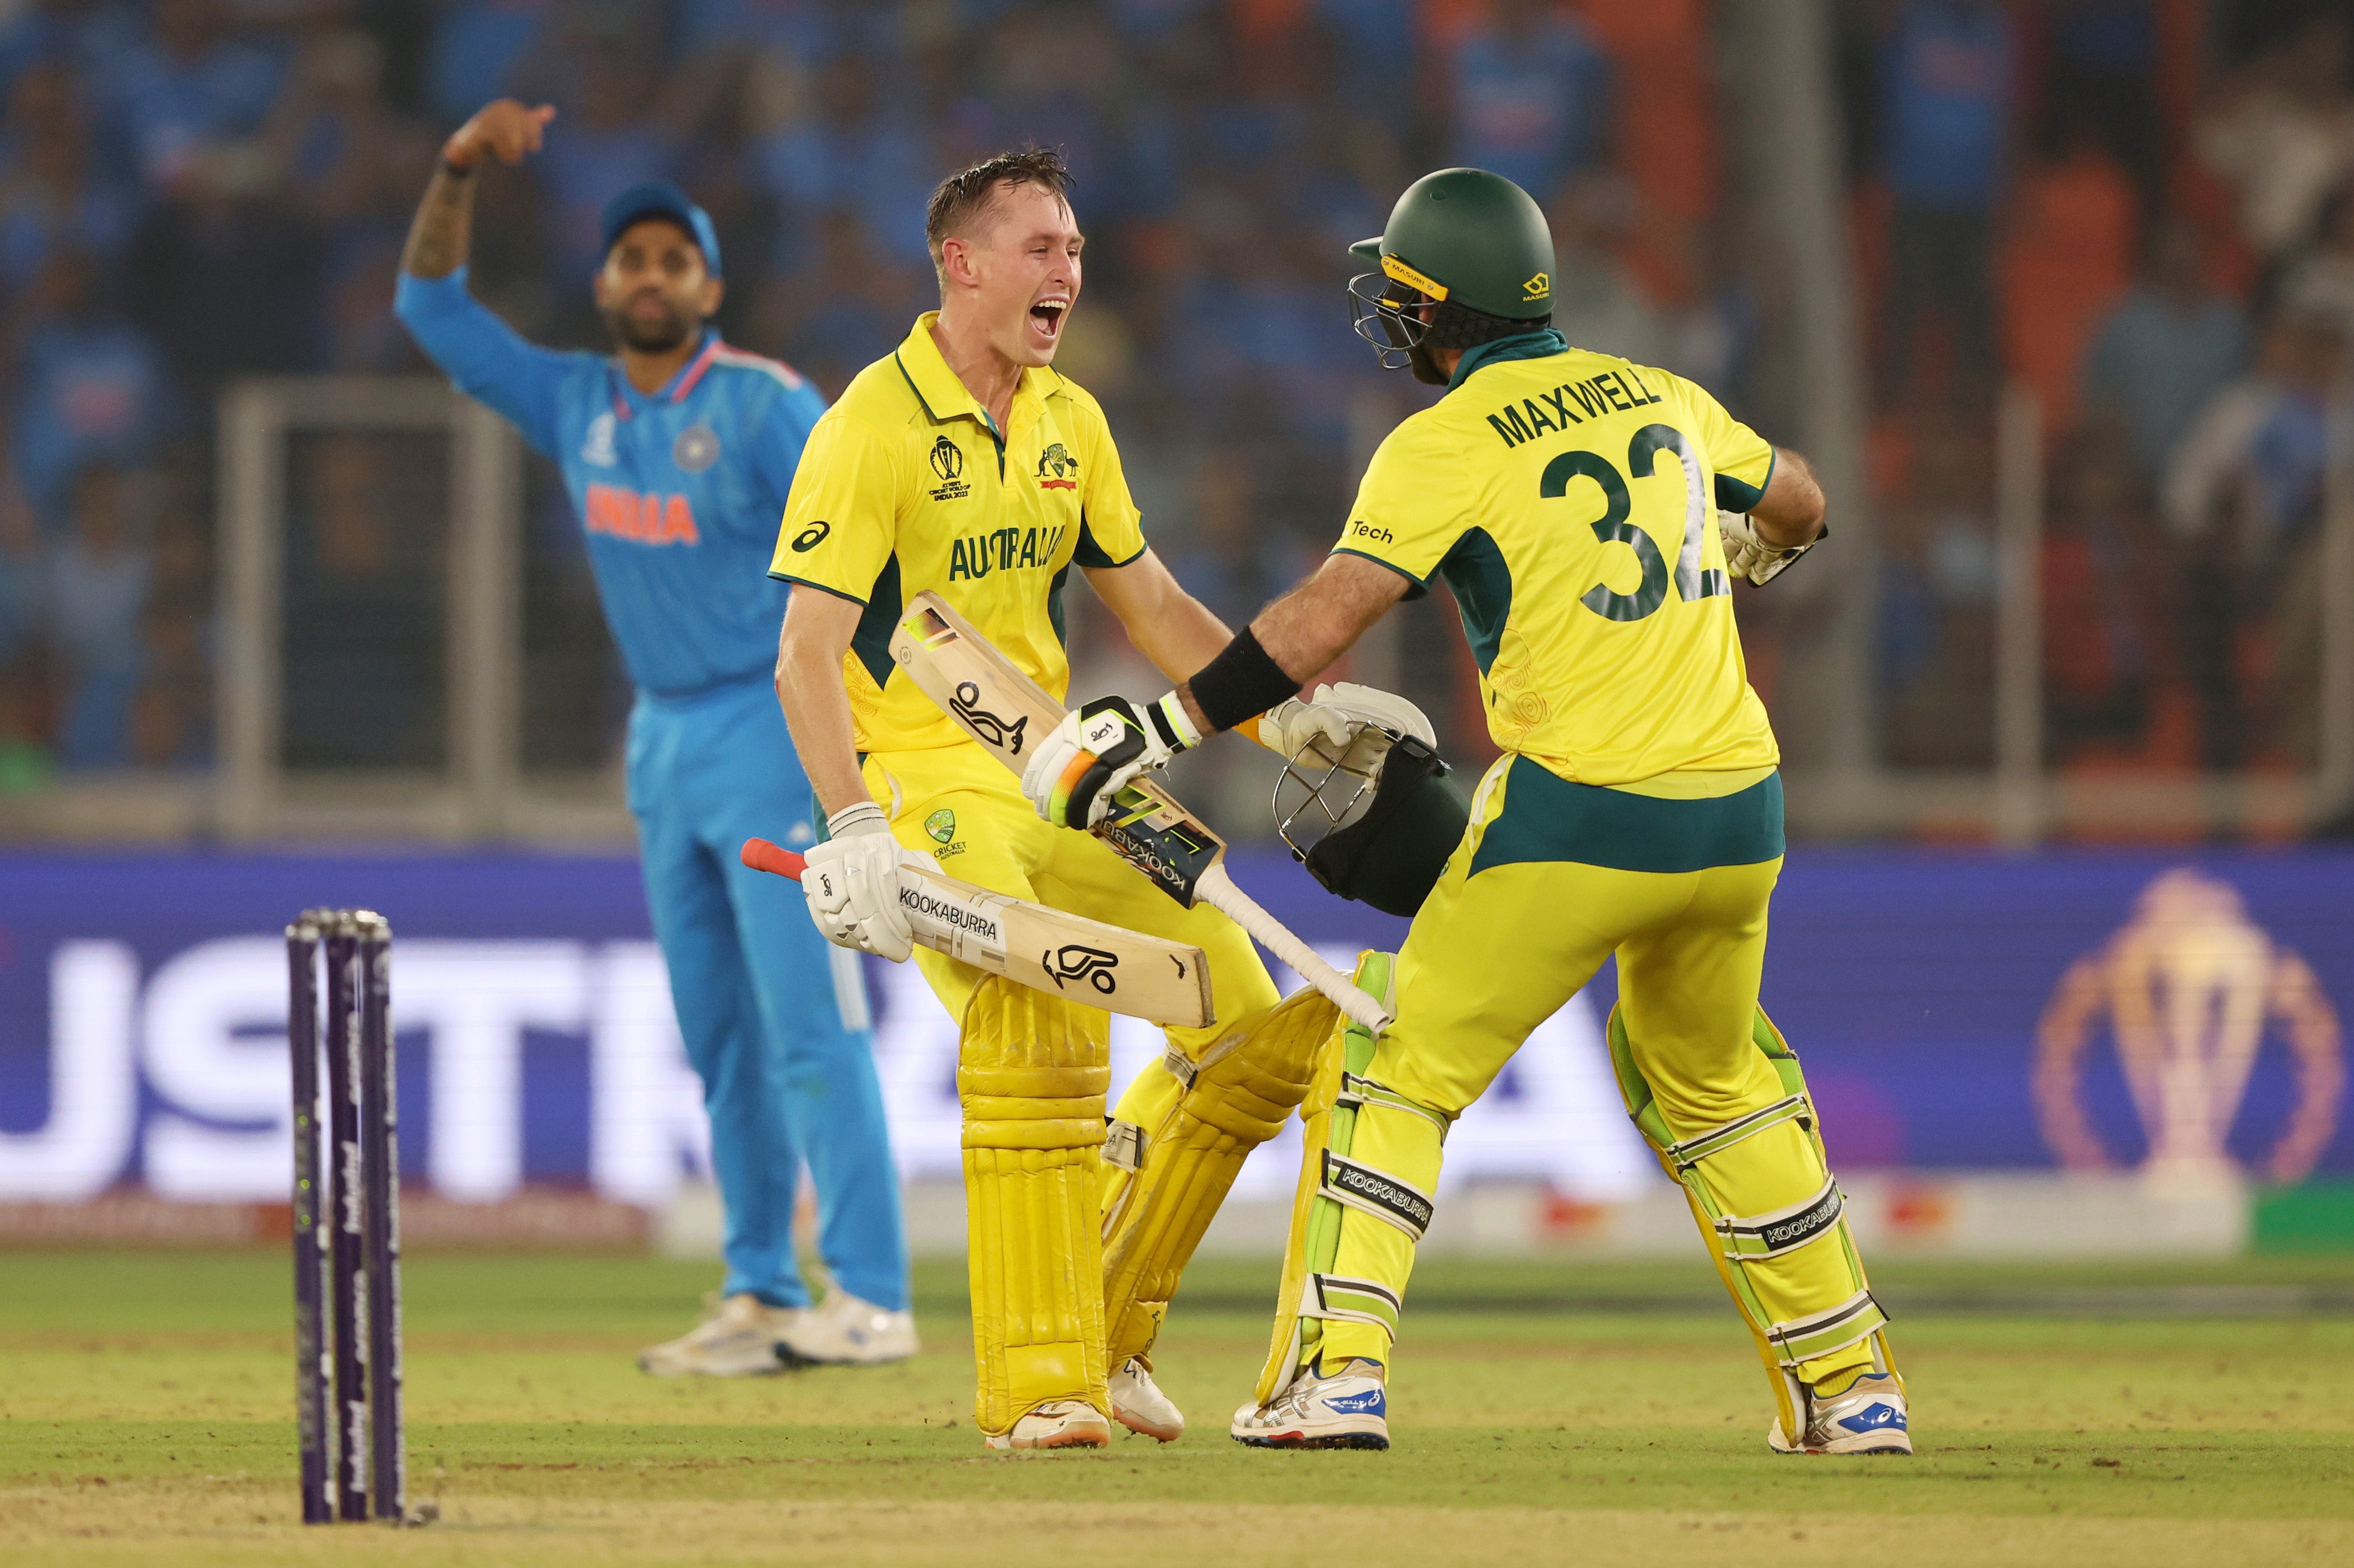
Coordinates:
column 1002, row 549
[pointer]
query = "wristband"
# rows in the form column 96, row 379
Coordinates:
column 1241, row 682
column 456, row 171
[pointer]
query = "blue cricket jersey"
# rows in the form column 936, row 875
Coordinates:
column 680, row 490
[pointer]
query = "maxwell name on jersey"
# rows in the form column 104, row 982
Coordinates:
column 1617, row 391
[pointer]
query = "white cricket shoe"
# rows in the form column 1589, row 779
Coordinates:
column 842, row 1329
column 1869, row 1418
column 1137, row 1404
column 1057, row 1424
column 737, row 1338
column 1346, row 1410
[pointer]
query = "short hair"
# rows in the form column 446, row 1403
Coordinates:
column 964, row 195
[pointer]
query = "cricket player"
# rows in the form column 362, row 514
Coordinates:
column 678, row 452
column 965, row 464
column 1571, row 501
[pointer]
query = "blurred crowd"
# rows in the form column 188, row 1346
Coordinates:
column 2141, row 214
column 192, row 190
column 2137, row 209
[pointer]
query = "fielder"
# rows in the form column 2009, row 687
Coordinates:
column 964, row 464
column 678, row 452
column 1569, row 500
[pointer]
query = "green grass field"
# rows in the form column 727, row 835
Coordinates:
column 1544, row 1412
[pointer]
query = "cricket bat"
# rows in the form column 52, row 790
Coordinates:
column 991, row 699
column 1083, row 960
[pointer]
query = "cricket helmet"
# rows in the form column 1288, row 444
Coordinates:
column 1472, row 241
column 1376, row 822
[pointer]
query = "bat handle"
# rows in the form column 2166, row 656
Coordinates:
column 1218, row 890
column 762, row 855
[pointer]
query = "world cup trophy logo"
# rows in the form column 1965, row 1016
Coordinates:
column 2190, row 989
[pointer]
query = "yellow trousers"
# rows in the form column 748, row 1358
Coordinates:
column 1511, row 933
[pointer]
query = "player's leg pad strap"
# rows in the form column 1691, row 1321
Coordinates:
column 1336, row 1298
column 1803, row 1340
column 1354, row 1185
column 1235, row 1096
column 1032, row 1077
column 1764, row 1235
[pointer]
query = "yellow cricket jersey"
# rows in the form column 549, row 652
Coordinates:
column 907, row 484
column 1568, row 499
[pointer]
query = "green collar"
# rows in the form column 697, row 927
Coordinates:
column 1520, row 346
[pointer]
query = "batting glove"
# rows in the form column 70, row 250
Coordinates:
column 1748, row 555
column 1099, row 751
column 853, row 883
column 1334, row 715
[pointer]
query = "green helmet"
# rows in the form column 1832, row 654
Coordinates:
column 1468, row 238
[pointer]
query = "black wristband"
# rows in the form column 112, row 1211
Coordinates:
column 457, row 171
column 1241, row 682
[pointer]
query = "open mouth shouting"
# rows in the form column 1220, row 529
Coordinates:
column 1046, row 318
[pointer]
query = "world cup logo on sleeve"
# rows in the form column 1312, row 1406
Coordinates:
column 2192, row 991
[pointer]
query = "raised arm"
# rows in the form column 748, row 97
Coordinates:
column 488, row 359
column 441, row 235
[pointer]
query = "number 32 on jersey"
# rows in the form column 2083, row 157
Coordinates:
column 1692, row 579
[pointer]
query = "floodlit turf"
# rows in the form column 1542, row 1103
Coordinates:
column 1543, row 1413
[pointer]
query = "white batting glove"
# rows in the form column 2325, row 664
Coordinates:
column 853, row 880
column 1748, row 555
column 1335, row 714
column 1099, row 751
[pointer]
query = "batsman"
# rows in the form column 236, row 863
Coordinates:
column 964, row 464
column 1589, row 516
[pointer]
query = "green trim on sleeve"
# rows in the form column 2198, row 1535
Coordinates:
column 1738, row 494
column 822, row 588
column 1088, row 553
column 1416, row 587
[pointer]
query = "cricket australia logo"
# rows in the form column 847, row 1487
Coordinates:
column 1057, row 470
column 1074, row 963
column 948, row 462
column 1002, row 735
column 597, row 447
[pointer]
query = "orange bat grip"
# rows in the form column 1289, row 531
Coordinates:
column 762, row 855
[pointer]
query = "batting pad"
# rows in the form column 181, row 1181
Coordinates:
column 1180, row 1135
column 1761, row 1188
column 1363, row 1200
column 1032, row 1076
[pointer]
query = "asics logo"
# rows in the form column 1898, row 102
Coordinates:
column 1369, row 1403
column 1871, row 1418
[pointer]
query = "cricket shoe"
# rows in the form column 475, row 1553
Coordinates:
column 1346, row 1410
column 1137, row 1404
column 843, row 1330
column 1867, row 1418
column 737, row 1338
column 1057, row 1424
